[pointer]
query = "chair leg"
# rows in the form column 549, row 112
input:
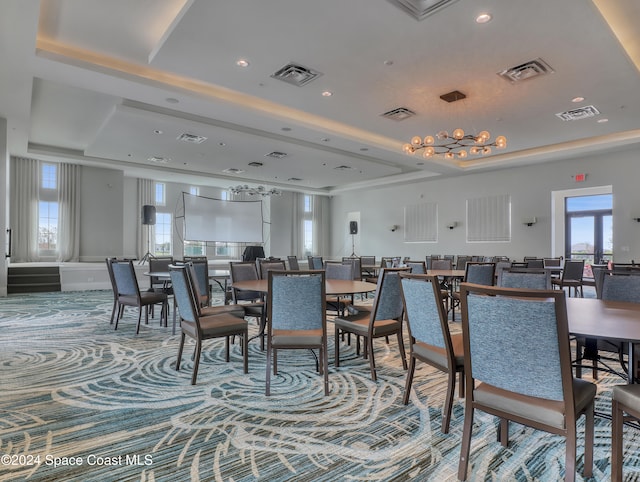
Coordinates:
column 336, row 347
column 448, row 402
column 503, row 432
column 461, row 383
column 409, row 382
column 226, row 345
column 275, row 361
column 140, row 308
column 570, row 457
column 268, row 377
column 325, row 366
column 588, row 442
column 245, row 350
column 402, row 352
column 465, row 445
column 616, row 441
column 113, row 310
column 372, row 362
column 180, row 348
column 196, row 362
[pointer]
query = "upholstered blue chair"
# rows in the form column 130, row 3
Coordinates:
column 430, row 339
column 251, row 301
column 534, row 387
column 477, row 272
column 296, row 318
column 417, row 267
column 526, row 278
column 129, row 294
column 198, row 327
column 384, row 319
column 625, row 399
column 315, row 262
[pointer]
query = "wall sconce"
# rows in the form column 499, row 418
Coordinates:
column 530, row 221
column 636, row 219
column 452, row 225
column 394, row 228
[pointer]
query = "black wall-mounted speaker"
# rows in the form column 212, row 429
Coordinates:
column 148, row 215
column 353, row 227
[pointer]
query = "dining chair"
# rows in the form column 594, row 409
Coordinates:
column 198, row 327
column 430, row 339
column 571, row 277
column 315, row 262
column 533, row 279
column 625, row 399
column 477, row 272
column 293, row 263
column 296, row 318
column 334, row 270
column 535, row 263
column 461, row 261
column 251, row 301
column 159, row 264
column 113, row 287
column 129, row 294
column 368, row 261
column 267, row 265
column 548, row 397
column 384, row 319
column 417, row 267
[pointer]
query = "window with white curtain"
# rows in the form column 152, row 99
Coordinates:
column 160, row 194
column 421, row 223
column 48, row 211
column 489, row 219
column 307, row 225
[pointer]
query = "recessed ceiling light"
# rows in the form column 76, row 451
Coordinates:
column 221, row 144
column 325, row 139
column 242, row 63
column 157, row 131
column 327, row 93
column 602, row 121
column 577, row 99
column 484, row 18
column 388, row 63
column 172, row 100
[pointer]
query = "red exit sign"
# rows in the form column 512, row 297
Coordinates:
column 580, row 177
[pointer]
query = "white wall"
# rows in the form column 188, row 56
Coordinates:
column 530, row 188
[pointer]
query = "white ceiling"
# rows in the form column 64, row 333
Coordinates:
column 93, row 80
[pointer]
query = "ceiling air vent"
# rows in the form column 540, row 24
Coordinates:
column 296, row 74
column 256, row 164
column 421, row 9
column 233, row 170
column 192, row 138
column 401, row 113
column 528, row 70
column 276, row 155
column 580, row 113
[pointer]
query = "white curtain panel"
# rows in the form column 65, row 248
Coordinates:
column 25, row 180
column 68, row 212
column 321, row 212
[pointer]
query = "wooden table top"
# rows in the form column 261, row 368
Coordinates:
column 447, row 273
column 613, row 320
column 333, row 286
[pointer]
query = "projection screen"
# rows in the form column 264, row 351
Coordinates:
column 208, row 219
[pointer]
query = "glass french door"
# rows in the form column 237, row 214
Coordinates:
column 589, row 229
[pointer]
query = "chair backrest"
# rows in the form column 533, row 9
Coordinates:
column 534, row 279
column 338, row 271
column 461, row 261
column 243, row 271
column 501, row 267
column 297, row 300
column 356, row 266
column 492, row 318
column 618, row 286
column 200, row 275
column 124, row 276
column 268, row 265
column 573, row 270
column 386, row 262
column 441, row 264
column 293, row 263
column 425, row 313
column 368, row 260
column 480, row 273
column 111, row 277
column 387, row 303
column 184, row 293
column 552, row 262
column 315, row 262
column 157, row 265
column 535, row 263
column 417, row 267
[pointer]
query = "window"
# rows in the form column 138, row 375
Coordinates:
column 589, row 228
column 161, row 194
column 194, row 190
column 48, row 210
column 162, row 246
column 195, row 248
column 307, row 226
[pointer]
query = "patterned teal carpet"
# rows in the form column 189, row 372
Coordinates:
column 80, row 401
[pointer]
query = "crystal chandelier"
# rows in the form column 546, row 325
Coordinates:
column 458, row 145
column 254, row 191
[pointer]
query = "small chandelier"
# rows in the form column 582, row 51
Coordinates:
column 254, row 191
column 458, row 145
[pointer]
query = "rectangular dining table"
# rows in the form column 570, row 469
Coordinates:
column 606, row 320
